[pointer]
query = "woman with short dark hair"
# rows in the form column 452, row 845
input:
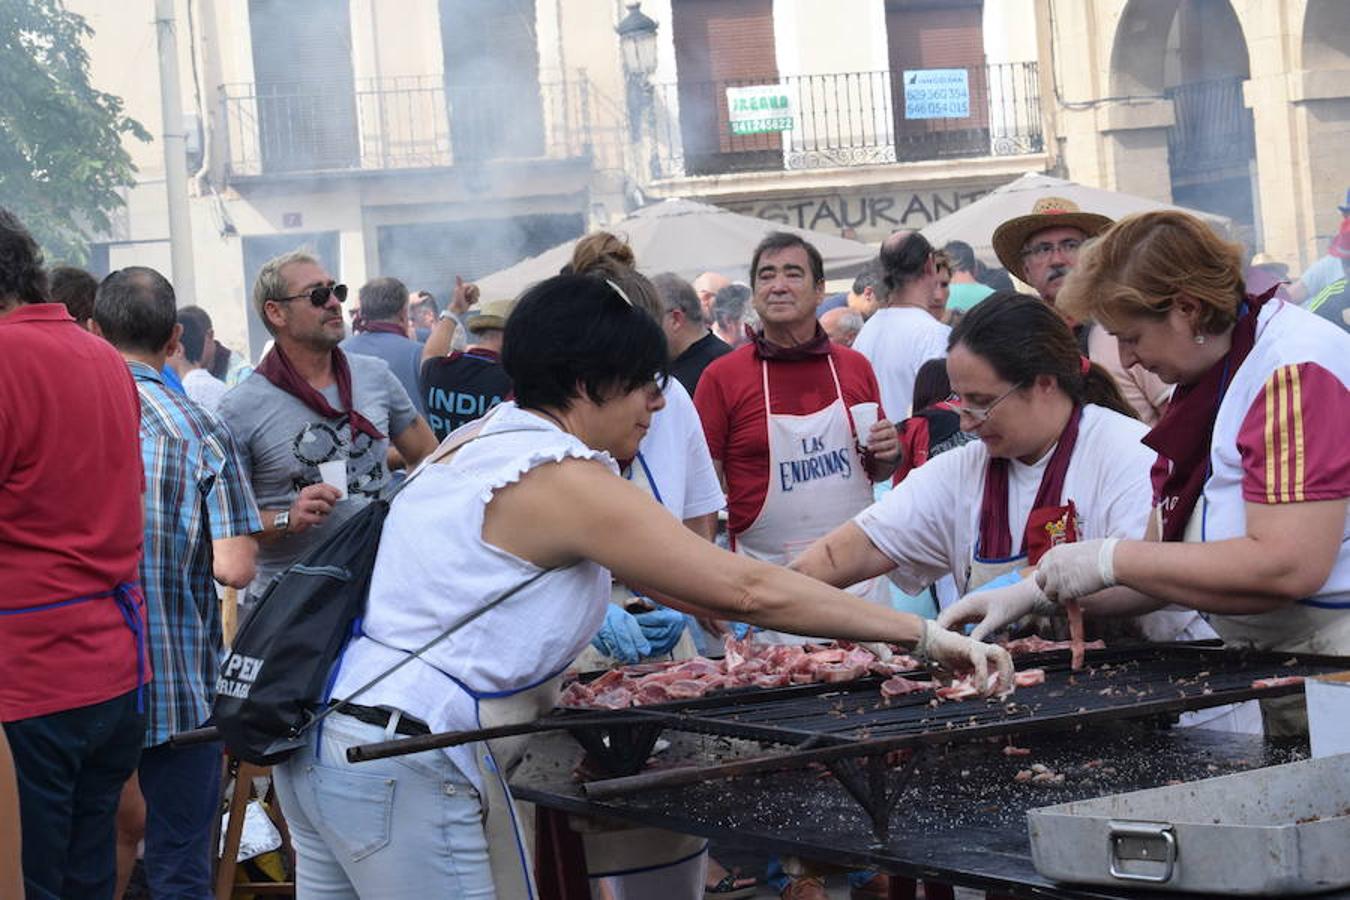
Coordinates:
column 532, row 504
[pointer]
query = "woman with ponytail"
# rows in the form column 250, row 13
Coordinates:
column 1057, row 459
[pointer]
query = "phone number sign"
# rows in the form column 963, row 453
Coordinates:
column 937, row 94
column 760, row 109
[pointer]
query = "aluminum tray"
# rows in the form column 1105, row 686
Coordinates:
column 1277, row 831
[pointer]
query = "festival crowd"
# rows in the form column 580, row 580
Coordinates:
column 1158, row 428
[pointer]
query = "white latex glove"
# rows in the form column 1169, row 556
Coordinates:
column 958, row 654
column 997, row 608
column 1070, row 571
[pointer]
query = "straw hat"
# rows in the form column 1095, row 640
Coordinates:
column 492, row 314
column 1049, row 212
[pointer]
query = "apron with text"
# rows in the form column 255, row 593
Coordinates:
column 816, row 483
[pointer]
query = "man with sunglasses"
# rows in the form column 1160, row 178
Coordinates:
column 308, row 404
column 1041, row 250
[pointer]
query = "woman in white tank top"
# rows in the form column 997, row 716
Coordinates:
column 536, row 491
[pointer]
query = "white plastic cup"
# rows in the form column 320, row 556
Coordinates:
column 864, row 417
column 334, row 472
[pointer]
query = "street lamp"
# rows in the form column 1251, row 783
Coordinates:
column 637, row 40
column 637, row 37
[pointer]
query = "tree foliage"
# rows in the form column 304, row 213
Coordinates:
column 61, row 154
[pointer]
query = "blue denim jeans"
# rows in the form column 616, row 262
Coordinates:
column 406, row 828
column 181, row 786
column 71, row 767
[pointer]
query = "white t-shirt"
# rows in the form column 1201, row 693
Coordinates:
column 897, row 341
column 1279, row 435
column 204, row 389
column 676, row 453
column 929, row 523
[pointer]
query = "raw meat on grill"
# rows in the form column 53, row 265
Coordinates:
column 1034, row 644
column 746, row 664
column 1074, row 612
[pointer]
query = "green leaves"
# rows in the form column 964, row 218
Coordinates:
column 62, row 164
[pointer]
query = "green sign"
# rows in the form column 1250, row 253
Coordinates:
column 760, row 109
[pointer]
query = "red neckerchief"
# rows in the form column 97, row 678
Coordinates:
column 362, row 325
column 995, row 536
column 1183, row 435
column 818, row 345
column 276, row 367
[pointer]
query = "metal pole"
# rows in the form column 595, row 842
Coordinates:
column 174, row 139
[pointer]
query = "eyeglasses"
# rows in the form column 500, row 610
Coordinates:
column 319, row 295
column 979, row 415
column 1045, row 249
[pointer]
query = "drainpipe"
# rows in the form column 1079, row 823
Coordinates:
column 174, row 138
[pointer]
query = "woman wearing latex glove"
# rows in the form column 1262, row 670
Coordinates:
column 1058, row 457
column 621, row 636
column 998, row 604
column 1254, row 473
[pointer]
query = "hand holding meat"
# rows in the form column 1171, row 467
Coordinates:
column 993, row 609
column 959, row 654
column 621, row 636
column 1070, row 571
column 662, row 628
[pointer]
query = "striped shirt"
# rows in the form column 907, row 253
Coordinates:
column 195, row 492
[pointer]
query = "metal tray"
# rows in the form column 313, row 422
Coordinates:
column 1278, row 831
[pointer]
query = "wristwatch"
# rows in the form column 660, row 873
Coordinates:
column 282, row 520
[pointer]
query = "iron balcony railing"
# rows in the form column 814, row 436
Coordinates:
column 401, row 123
column 844, row 119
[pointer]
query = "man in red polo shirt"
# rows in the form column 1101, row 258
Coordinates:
column 72, row 618
column 787, row 421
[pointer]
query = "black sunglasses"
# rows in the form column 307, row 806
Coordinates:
column 319, row 295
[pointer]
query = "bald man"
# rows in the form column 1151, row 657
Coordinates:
column 706, row 286
column 842, row 325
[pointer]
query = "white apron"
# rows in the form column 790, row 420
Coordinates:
column 816, row 483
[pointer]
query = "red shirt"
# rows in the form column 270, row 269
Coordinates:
column 1293, row 439
column 730, row 401
column 70, row 513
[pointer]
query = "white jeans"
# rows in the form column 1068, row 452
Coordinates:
column 407, row 827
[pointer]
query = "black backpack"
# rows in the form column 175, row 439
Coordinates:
column 281, row 663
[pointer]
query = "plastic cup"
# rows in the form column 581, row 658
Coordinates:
column 864, row 417
column 334, row 472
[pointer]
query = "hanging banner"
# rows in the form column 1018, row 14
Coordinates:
column 760, row 109
column 937, row 94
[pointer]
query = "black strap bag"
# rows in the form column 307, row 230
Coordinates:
column 277, row 671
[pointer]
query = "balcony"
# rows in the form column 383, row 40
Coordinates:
column 400, row 124
column 846, row 119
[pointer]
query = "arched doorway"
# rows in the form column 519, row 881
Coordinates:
column 1323, row 99
column 1193, row 53
column 1210, row 148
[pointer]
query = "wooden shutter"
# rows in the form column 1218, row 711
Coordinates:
column 306, row 95
column 938, row 36
column 721, row 44
column 492, row 79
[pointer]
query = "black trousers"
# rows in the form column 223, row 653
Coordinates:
column 71, row 767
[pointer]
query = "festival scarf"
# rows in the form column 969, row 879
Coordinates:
column 818, row 345
column 276, row 367
column 362, row 325
column 995, row 536
column 1182, row 436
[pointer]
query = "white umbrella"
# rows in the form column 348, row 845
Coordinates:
column 975, row 223
column 687, row 238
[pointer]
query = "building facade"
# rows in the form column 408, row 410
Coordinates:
column 430, row 138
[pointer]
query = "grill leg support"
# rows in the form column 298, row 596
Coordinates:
column 870, row 782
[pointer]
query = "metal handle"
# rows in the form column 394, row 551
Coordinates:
column 1136, row 840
